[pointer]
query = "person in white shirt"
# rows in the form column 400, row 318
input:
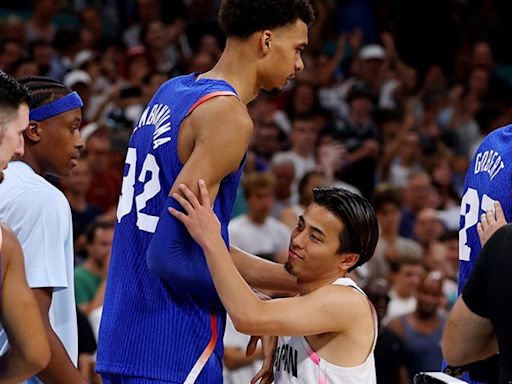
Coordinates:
column 40, row 216
column 331, row 326
column 29, row 351
column 256, row 231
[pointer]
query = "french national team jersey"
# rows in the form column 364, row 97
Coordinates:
column 149, row 328
column 489, row 179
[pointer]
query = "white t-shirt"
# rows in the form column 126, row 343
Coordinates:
column 269, row 238
column 235, row 339
column 40, row 216
column 295, row 362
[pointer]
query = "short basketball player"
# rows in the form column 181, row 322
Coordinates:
column 164, row 324
column 331, row 327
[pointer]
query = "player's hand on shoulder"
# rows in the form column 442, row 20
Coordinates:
column 490, row 222
column 199, row 218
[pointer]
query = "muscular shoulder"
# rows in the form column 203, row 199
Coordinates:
column 222, row 116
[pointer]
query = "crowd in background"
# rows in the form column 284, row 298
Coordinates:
column 395, row 98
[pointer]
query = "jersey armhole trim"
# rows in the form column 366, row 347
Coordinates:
column 208, row 97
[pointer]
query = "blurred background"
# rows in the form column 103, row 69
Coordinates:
column 395, row 98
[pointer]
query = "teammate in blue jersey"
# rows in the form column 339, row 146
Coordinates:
column 162, row 319
column 489, row 179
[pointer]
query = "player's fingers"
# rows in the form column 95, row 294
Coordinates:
column 480, row 231
column 251, row 347
column 483, row 221
column 490, row 216
column 262, row 372
column 177, row 214
column 189, row 195
column 205, row 197
column 183, row 202
column 500, row 215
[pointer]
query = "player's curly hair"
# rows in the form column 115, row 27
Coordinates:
column 360, row 228
column 43, row 90
column 242, row 18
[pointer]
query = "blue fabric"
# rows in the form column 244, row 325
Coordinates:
column 154, row 327
column 488, row 178
column 64, row 104
column 120, row 379
column 173, row 256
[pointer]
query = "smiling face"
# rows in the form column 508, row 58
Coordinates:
column 11, row 136
column 60, row 143
column 283, row 49
column 314, row 245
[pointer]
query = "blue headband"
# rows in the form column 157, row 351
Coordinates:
column 64, row 104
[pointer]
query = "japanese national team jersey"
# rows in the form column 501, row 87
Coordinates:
column 149, row 328
column 295, row 362
column 489, row 179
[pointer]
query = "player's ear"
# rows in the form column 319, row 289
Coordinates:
column 33, row 132
column 348, row 260
column 266, row 41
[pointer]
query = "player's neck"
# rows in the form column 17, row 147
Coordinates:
column 308, row 286
column 237, row 68
column 30, row 159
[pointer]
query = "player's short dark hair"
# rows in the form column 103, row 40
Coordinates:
column 360, row 228
column 12, row 95
column 242, row 18
column 43, row 90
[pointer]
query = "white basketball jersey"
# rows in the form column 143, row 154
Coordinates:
column 296, row 362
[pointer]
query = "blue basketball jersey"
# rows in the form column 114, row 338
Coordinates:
column 149, row 328
column 489, row 179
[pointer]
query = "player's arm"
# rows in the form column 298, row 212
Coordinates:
column 315, row 313
column 467, row 337
column 263, row 274
column 28, row 346
column 469, row 334
column 60, row 369
column 222, row 131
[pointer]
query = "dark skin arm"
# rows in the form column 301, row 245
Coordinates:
column 60, row 369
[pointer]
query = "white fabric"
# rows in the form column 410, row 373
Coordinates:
column 235, row 339
column 40, row 216
column 297, row 352
column 398, row 307
column 269, row 238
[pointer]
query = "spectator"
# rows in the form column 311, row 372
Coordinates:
column 106, row 181
column 421, row 330
column 257, row 232
column 406, row 275
column 75, row 189
column 90, row 277
column 391, row 246
column 390, row 358
column 416, row 197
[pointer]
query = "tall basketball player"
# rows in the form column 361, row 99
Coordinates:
column 164, row 324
